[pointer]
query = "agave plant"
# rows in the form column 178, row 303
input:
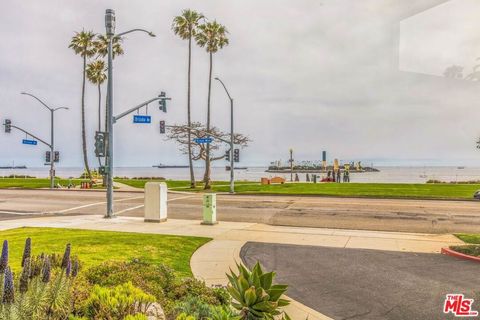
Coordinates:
column 255, row 295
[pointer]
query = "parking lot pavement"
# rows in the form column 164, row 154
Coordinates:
column 367, row 284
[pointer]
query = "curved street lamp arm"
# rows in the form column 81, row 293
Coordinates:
column 224, row 87
column 33, row 136
column 151, row 34
column 60, row 108
column 43, row 103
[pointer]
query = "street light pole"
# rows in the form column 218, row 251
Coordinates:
column 52, row 135
column 232, row 173
column 110, row 30
column 52, row 162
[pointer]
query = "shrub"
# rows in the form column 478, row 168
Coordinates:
column 254, row 295
column 193, row 306
column 157, row 280
column 150, row 278
column 117, row 303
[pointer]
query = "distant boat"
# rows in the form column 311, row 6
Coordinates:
column 460, row 167
column 163, row 166
column 13, row 167
column 227, row 168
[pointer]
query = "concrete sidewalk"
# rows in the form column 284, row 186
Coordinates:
column 213, row 260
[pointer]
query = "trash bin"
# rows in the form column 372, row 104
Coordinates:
column 209, row 209
column 155, row 209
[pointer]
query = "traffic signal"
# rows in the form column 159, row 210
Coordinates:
column 100, row 138
column 162, row 126
column 56, row 156
column 48, row 156
column 8, row 125
column 227, row 155
column 162, row 102
column 236, row 155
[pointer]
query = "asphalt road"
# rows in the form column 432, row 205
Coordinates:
column 431, row 216
column 367, row 284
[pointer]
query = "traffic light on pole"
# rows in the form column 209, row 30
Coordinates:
column 236, row 155
column 8, row 125
column 162, row 102
column 48, row 157
column 162, row 126
column 100, row 144
column 227, row 155
column 56, row 156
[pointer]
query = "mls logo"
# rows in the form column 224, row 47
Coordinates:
column 459, row 306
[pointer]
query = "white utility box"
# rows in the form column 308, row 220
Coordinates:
column 155, row 202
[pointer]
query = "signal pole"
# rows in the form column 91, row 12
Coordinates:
column 110, row 30
column 52, row 137
column 232, row 173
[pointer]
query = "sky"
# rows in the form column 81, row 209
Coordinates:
column 362, row 80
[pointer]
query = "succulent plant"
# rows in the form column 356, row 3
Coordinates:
column 8, row 288
column 255, row 295
column 4, row 257
column 27, row 250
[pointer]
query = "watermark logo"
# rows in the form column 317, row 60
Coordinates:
column 459, row 306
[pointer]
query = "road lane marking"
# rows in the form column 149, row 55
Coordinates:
column 129, row 209
column 142, row 205
column 180, row 198
column 19, row 213
column 93, row 204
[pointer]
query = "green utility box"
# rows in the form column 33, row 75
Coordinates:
column 210, row 209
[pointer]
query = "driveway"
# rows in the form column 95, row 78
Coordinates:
column 367, row 284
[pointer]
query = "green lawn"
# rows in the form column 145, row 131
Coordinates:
column 374, row 190
column 377, row 190
column 34, row 183
column 177, row 184
column 94, row 247
column 469, row 238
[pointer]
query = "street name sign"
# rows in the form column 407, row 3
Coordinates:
column 203, row 140
column 142, row 119
column 29, row 142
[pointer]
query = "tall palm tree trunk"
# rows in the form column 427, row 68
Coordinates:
column 84, row 138
column 207, row 158
column 99, row 116
column 190, row 160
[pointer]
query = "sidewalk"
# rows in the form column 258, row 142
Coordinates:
column 213, row 260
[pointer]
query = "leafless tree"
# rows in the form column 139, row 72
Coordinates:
column 179, row 134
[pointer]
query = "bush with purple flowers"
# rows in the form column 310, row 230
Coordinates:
column 43, row 289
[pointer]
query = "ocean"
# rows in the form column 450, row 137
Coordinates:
column 387, row 174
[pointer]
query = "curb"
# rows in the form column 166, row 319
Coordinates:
column 453, row 253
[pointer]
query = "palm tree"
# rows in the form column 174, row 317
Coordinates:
column 82, row 43
column 96, row 75
column 185, row 26
column 101, row 45
column 212, row 36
